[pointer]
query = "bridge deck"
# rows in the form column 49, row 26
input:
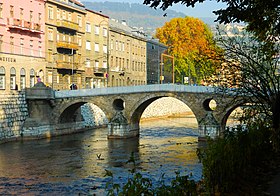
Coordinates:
column 134, row 89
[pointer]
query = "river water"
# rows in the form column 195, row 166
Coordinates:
column 75, row 164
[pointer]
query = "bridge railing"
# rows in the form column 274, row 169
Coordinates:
column 133, row 89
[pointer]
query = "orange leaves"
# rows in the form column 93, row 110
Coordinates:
column 186, row 35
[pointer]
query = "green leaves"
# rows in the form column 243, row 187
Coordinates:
column 191, row 42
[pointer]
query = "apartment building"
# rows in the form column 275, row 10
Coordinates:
column 65, row 31
column 127, row 55
column 22, row 43
column 155, row 50
column 96, row 49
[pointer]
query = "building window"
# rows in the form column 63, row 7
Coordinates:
column 96, row 30
column 88, row 27
column 87, row 62
column 50, row 12
column 1, row 42
column 21, row 45
column 22, row 79
column 79, row 20
column 21, row 13
column 105, row 49
column 1, row 10
column 64, row 15
column 112, row 44
column 117, row 45
column 57, row 79
column 50, row 34
column 127, row 64
column 32, row 77
column 50, row 77
column 69, row 16
column 79, row 40
column 127, row 47
column 31, row 48
column 96, row 47
column 2, row 78
column 58, row 14
column 112, row 61
column 31, row 16
column 39, row 18
column 11, row 11
column 105, row 32
column 104, row 64
column 13, row 78
column 88, row 46
column 40, row 49
column 96, row 63
column 12, row 44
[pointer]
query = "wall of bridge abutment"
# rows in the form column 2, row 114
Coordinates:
column 13, row 113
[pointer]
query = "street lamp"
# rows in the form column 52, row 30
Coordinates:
column 108, row 31
column 53, row 66
column 173, row 75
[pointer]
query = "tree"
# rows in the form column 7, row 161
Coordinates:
column 190, row 41
column 262, row 17
column 258, row 73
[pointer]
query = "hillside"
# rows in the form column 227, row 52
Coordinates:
column 136, row 15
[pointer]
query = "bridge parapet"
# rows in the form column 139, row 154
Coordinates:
column 134, row 89
column 39, row 91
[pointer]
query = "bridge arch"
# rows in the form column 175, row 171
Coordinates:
column 140, row 106
column 228, row 112
column 67, row 111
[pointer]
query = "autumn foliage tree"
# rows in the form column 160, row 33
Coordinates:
column 261, row 16
column 191, row 42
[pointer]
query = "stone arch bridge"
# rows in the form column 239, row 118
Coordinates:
column 123, row 106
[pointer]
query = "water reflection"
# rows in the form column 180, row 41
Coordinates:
column 75, row 164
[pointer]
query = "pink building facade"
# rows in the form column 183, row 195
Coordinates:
column 22, row 43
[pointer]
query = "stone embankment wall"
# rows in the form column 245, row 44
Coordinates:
column 13, row 112
column 166, row 106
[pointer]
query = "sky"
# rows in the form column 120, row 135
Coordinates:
column 200, row 10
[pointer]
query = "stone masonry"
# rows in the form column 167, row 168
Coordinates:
column 13, row 112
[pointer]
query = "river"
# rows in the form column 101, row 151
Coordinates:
column 75, row 164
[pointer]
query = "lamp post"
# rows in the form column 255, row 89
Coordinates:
column 52, row 67
column 173, row 75
column 108, row 55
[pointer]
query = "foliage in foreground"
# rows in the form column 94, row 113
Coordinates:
column 231, row 165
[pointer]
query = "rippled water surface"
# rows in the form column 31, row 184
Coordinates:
column 75, row 164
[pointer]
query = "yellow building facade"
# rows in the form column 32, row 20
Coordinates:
column 127, row 55
column 96, row 49
column 65, row 32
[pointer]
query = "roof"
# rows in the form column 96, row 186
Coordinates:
column 77, row 2
column 98, row 13
column 123, row 27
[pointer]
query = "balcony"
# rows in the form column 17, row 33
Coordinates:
column 99, row 70
column 68, row 24
column 15, row 23
column 67, row 65
column 67, row 45
column 36, row 26
column 27, row 24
